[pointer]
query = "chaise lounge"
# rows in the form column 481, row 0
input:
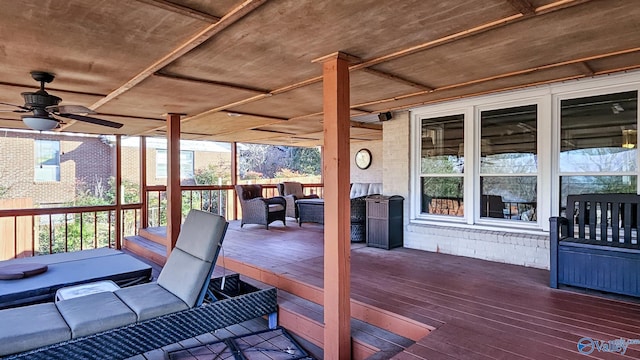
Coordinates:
column 140, row 318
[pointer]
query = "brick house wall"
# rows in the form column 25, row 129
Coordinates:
column 85, row 163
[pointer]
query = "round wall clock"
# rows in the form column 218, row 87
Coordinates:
column 363, row 158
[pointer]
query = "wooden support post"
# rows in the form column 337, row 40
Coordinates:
column 234, row 178
column 174, row 192
column 337, row 243
column 118, row 192
column 144, row 212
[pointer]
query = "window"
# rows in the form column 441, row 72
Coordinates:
column 442, row 165
column 598, row 144
column 47, row 160
column 508, row 163
column 186, row 164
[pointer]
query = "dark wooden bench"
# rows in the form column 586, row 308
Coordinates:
column 596, row 245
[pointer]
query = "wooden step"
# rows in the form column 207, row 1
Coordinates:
column 373, row 315
column 156, row 234
column 305, row 319
column 146, row 248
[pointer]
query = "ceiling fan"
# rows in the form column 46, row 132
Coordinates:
column 44, row 108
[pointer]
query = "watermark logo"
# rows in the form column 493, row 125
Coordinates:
column 587, row 345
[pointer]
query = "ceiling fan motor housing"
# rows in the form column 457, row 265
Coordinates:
column 39, row 99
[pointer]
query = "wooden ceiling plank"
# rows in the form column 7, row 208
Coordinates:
column 233, row 16
column 211, row 82
column 401, row 53
column 183, row 10
column 460, row 35
column 501, row 76
column 396, row 78
column 524, row 7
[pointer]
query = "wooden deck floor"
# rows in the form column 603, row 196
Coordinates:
column 478, row 309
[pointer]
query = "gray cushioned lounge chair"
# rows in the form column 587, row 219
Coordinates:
column 139, row 318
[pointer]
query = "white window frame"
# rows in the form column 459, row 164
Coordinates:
column 37, row 149
column 542, row 108
column 183, row 174
column 548, row 98
column 557, row 123
column 416, row 209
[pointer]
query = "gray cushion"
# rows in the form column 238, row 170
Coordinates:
column 150, row 300
column 359, row 189
column 200, row 234
column 94, row 313
column 293, row 188
column 275, row 207
column 375, row 189
column 30, row 327
column 188, row 267
column 184, row 276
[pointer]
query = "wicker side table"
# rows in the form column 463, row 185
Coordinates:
column 310, row 210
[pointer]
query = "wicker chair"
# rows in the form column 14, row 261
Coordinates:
column 293, row 191
column 259, row 210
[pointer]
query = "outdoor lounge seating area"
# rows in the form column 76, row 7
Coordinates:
column 256, row 209
column 138, row 318
column 312, row 210
column 293, row 191
column 68, row 269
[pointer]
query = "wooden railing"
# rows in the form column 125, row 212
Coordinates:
column 51, row 230
column 61, row 229
column 219, row 199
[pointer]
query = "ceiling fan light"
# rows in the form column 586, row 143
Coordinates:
column 41, row 123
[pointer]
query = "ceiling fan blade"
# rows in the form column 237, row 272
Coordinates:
column 22, row 108
column 69, row 109
column 92, row 120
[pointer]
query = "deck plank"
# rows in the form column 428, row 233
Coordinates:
column 479, row 309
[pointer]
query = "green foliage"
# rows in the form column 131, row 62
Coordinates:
column 213, row 174
column 273, row 161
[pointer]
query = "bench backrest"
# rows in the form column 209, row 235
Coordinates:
column 603, row 216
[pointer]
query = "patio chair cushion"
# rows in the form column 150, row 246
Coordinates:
column 358, row 190
column 293, row 188
column 94, row 313
column 375, row 189
column 196, row 248
column 275, row 207
column 30, row 327
column 150, row 300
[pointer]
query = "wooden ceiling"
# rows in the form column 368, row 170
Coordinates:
column 243, row 70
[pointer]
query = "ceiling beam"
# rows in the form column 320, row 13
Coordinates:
column 524, row 7
column 396, row 78
column 210, row 82
column 371, row 62
column 229, row 19
column 585, row 68
column 411, row 50
column 182, row 10
column 505, row 75
column 361, row 125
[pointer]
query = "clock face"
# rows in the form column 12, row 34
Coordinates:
column 363, row 158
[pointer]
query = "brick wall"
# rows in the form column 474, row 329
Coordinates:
column 83, row 160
